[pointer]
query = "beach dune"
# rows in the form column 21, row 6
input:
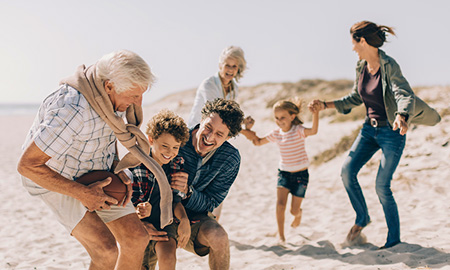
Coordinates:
column 32, row 239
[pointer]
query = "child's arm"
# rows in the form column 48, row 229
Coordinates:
column 315, row 121
column 184, row 228
column 315, row 126
column 248, row 124
column 260, row 141
column 250, row 134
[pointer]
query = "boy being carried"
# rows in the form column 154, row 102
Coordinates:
column 166, row 132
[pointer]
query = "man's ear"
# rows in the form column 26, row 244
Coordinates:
column 109, row 86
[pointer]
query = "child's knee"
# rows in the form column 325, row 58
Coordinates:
column 281, row 204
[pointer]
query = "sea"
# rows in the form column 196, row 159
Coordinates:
column 18, row 108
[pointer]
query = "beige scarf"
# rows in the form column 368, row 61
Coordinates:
column 86, row 82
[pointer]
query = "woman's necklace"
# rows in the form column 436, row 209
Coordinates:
column 228, row 88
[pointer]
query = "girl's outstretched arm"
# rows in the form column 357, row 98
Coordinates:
column 315, row 125
column 250, row 134
column 260, row 141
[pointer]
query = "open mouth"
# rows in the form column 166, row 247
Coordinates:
column 206, row 143
column 166, row 157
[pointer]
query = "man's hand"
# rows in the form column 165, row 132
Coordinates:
column 154, row 234
column 95, row 198
column 127, row 181
column 144, row 210
column 400, row 122
column 184, row 232
column 179, row 181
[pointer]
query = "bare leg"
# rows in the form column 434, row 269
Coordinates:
column 282, row 195
column 166, row 253
column 98, row 241
column 133, row 239
column 296, row 210
column 212, row 235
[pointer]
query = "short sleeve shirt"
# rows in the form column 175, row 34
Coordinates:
column 75, row 137
column 292, row 148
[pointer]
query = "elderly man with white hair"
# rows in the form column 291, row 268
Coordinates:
column 75, row 132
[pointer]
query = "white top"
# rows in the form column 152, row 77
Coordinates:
column 210, row 89
column 292, row 148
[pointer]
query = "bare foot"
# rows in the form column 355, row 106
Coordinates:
column 297, row 220
column 281, row 241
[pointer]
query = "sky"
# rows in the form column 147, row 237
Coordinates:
column 43, row 41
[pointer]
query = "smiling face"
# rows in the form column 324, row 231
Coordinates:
column 283, row 119
column 359, row 47
column 124, row 99
column 164, row 148
column 228, row 70
column 211, row 134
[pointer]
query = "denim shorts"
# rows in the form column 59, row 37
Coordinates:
column 296, row 182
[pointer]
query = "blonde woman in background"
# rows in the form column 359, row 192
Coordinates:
column 232, row 65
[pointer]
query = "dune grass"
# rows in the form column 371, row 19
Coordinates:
column 342, row 146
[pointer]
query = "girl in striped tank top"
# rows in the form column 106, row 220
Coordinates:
column 293, row 167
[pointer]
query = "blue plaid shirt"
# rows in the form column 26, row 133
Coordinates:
column 210, row 182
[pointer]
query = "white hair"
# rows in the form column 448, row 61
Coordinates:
column 235, row 53
column 126, row 70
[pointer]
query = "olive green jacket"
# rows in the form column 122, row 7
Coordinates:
column 398, row 96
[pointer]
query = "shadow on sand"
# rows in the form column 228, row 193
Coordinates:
column 412, row 255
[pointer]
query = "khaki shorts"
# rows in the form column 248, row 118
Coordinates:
column 70, row 211
column 196, row 222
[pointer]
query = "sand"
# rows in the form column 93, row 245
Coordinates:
column 32, row 239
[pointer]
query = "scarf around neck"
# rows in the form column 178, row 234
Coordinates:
column 129, row 134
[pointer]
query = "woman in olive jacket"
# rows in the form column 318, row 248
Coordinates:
column 391, row 107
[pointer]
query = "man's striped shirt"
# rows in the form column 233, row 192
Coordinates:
column 212, row 181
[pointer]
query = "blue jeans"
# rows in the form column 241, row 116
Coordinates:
column 369, row 141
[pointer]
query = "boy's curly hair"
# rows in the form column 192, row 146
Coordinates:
column 229, row 111
column 168, row 122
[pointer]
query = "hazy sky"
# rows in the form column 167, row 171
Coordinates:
column 44, row 41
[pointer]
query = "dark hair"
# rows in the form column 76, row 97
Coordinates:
column 375, row 35
column 228, row 110
column 292, row 106
column 168, row 122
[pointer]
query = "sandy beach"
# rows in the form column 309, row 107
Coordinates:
column 32, row 239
